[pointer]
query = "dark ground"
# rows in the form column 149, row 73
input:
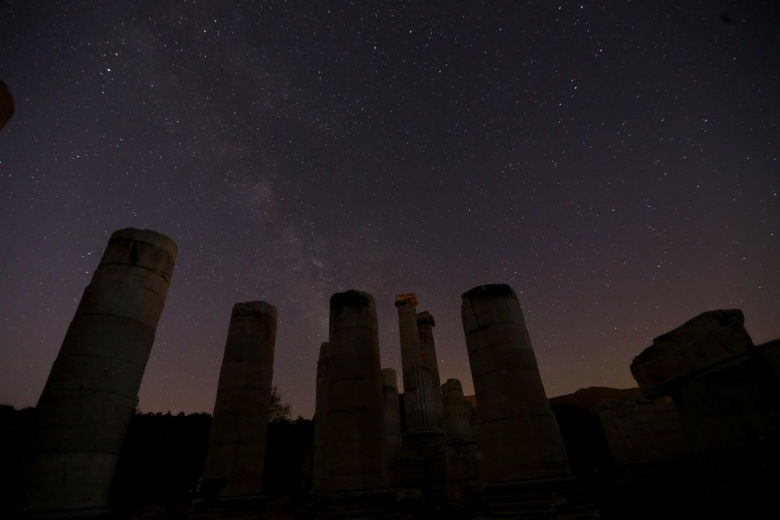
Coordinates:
column 164, row 454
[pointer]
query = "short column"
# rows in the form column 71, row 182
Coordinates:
column 456, row 415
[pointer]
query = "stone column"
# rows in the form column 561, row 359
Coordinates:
column 425, row 324
column 523, row 448
column 320, row 414
column 456, row 414
column 465, row 472
column 418, row 388
column 86, row 405
column 474, row 422
column 392, row 413
column 356, row 482
column 424, row 458
column 234, row 464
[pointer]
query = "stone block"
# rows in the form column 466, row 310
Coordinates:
column 675, row 357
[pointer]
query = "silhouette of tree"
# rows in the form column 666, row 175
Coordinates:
column 278, row 412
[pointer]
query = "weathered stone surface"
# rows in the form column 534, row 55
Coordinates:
column 642, row 432
column 521, row 436
column 700, row 343
column 356, row 482
column 88, row 400
column 456, row 415
column 234, row 464
column 425, row 324
column 419, row 410
column 730, row 407
column 423, row 461
column 727, row 394
column 411, row 355
column 527, row 467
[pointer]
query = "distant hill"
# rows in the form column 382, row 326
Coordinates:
column 585, row 398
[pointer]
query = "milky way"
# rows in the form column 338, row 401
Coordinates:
column 615, row 162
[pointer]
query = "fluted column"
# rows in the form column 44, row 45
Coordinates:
column 424, row 459
column 86, row 405
column 418, row 387
column 234, row 464
column 320, row 415
column 425, row 324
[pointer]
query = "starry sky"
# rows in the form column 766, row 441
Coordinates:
column 615, row 162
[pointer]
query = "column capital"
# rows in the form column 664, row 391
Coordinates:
column 406, row 299
column 425, row 318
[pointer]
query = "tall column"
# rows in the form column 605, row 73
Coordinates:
column 418, row 388
column 425, row 324
column 392, row 412
column 424, row 456
column 234, row 464
column 320, row 414
column 86, row 405
column 356, row 482
column 523, row 448
column 456, row 414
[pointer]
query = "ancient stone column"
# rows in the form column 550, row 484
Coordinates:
column 465, row 471
column 523, row 448
column 320, row 414
column 474, row 422
column 86, row 405
column 424, row 458
column 425, row 324
column 356, row 482
column 456, row 414
column 234, row 464
column 418, row 386
column 392, row 412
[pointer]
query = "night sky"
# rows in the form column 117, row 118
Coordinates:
column 615, row 162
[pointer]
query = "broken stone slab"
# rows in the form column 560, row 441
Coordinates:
column 709, row 339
